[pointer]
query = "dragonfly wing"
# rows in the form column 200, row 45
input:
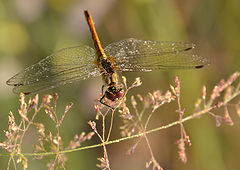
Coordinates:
column 139, row 55
column 64, row 66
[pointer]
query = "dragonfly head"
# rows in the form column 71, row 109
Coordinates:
column 114, row 92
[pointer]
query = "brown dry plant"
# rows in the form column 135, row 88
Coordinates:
column 135, row 121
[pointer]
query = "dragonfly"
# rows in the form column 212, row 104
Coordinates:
column 83, row 62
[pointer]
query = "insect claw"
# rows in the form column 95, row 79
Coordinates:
column 101, row 101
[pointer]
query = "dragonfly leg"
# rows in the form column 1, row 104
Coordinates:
column 103, row 88
column 101, row 101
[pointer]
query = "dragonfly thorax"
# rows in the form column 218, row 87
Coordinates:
column 107, row 66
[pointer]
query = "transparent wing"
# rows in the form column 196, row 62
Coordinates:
column 139, row 55
column 64, row 66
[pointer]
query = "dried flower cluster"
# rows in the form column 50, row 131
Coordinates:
column 135, row 121
column 48, row 143
column 217, row 100
column 135, row 124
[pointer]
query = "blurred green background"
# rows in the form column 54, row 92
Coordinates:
column 33, row 29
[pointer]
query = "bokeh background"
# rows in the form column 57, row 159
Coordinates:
column 33, row 29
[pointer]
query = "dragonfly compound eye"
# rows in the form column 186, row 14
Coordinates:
column 110, row 96
column 120, row 94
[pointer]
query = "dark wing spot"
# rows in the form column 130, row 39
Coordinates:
column 19, row 84
column 188, row 48
column 27, row 93
column 201, row 66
